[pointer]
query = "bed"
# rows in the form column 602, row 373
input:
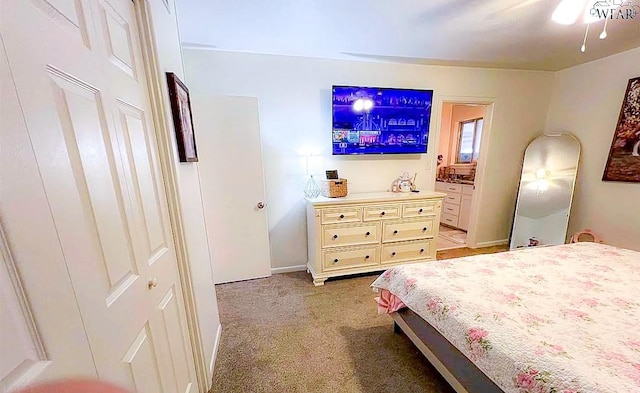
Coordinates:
column 560, row 319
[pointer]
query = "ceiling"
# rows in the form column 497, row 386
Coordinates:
column 488, row 33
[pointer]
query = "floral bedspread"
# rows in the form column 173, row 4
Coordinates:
column 560, row 319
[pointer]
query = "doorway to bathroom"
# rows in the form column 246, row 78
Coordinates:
column 461, row 130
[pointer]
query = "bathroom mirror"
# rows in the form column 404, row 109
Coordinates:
column 546, row 190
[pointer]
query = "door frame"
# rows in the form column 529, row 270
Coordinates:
column 485, row 139
column 169, row 175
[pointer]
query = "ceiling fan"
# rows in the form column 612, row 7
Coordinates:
column 569, row 11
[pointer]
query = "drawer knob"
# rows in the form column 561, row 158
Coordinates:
column 367, row 234
column 421, row 250
column 341, row 215
column 393, row 254
column 395, row 232
column 366, row 257
column 424, row 229
column 420, row 211
column 335, row 236
column 382, row 213
column 335, row 260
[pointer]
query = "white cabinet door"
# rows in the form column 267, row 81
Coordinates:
column 465, row 212
column 79, row 78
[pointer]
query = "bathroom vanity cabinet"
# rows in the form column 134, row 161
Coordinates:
column 457, row 204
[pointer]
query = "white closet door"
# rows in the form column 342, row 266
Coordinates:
column 79, row 78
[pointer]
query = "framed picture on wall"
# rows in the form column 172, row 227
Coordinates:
column 182, row 119
column 623, row 163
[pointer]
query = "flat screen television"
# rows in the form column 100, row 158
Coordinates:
column 380, row 120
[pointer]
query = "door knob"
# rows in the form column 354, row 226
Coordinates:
column 260, row 205
column 153, row 282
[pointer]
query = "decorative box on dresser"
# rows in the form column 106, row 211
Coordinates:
column 368, row 232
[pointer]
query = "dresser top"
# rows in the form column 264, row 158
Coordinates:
column 375, row 197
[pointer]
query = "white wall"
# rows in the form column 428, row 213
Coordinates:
column 444, row 144
column 294, row 95
column 586, row 101
column 170, row 60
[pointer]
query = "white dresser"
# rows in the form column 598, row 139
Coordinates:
column 457, row 204
column 370, row 232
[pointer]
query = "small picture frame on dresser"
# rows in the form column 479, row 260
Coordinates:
column 332, row 174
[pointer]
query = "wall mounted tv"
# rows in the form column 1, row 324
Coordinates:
column 379, row 120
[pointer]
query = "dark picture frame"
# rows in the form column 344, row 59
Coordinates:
column 182, row 119
column 623, row 164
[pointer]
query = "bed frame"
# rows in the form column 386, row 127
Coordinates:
column 456, row 368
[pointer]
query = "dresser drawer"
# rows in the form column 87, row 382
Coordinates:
column 451, row 187
column 408, row 230
column 381, row 212
column 452, row 209
column 342, row 258
column 449, row 219
column 407, row 251
column 467, row 189
column 342, row 214
column 419, row 209
column 453, row 199
column 348, row 235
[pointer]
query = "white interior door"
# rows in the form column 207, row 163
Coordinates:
column 79, row 79
column 231, row 174
column 23, row 356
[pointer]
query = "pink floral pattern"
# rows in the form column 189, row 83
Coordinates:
column 478, row 342
column 559, row 319
column 531, row 380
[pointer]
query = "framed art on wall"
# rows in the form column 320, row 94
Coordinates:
column 182, row 119
column 623, row 163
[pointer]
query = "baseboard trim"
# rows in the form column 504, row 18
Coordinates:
column 214, row 355
column 491, row 243
column 288, row 269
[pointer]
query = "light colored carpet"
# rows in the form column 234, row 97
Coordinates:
column 282, row 334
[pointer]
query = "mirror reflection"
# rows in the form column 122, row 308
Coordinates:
column 546, row 190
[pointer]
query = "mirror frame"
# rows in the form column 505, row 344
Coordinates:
column 535, row 242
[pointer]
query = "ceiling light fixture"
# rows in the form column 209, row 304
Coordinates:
column 541, row 173
column 568, row 12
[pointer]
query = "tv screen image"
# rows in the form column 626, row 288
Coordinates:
column 379, row 120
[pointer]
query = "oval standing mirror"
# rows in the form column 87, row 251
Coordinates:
column 546, row 190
